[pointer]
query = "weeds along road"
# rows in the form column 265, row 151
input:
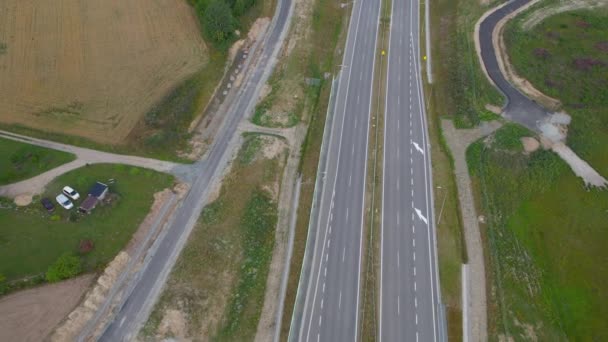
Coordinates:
column 147, row 284
column 409, row 286
column 330, row 309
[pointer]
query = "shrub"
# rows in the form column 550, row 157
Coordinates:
column 3, row 285
column 66, row 266
column 85, row 246
column 134, row 171
column 219, row 22
column 74, row 216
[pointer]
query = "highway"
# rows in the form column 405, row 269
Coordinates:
column 332, row 295
column 146, row 290
column 409, row 296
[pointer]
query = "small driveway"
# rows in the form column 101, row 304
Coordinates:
column 84, row 156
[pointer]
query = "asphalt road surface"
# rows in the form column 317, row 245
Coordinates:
column 331, row 309
column 519, row 108
column 409, row 296
column 135, row 310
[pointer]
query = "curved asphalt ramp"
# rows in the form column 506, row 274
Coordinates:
column 519, row 108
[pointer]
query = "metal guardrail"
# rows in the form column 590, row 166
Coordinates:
column 312, row 223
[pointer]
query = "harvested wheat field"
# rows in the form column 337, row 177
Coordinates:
column 93, row 68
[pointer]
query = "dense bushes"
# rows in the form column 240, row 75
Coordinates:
column 219, row 22
column 67, row 266
column 219, row 18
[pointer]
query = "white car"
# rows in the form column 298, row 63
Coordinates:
column 71, row 193
column 64, row 201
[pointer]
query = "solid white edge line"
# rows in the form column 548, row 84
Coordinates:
column 371, row 92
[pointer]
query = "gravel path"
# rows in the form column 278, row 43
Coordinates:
column 458, row 141
column 267, row 326
column 290, row 134
column 35, row 185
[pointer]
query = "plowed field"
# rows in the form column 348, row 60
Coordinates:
column 92, row 68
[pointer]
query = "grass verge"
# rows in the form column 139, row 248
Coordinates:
column 456, row 69
column 371, row 253
column 296, row 83
column 164, row 128
column 459, row 91
column 31, row 239
column 19, row 161
column 217, row 285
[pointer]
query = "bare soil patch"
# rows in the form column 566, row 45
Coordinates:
column 174, row 324
column 31, row 315
column 494, row 109
column 93, row 68
column 23, row 200
column 530, row 144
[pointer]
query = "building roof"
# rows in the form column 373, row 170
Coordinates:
column 98, row 189
column 89, row 203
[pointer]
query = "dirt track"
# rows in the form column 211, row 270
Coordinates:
column 31, row 315
column 93, row 67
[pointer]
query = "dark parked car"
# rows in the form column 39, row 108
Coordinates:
column 47, row 204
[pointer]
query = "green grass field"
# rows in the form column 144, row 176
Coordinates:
column 546, row 235
column 31, row 239
column 19, row 161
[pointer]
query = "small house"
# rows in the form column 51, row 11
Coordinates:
column 88, row 204
column 97, row 193
column 99, row 190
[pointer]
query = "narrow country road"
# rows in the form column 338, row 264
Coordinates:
column 332, row 289
column 146, row 287
column 91, row 156
column 84, row 156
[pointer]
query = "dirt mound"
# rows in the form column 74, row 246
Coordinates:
column 93, row 68
column 530, row 144
column 494, row 109
column 23, row 200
